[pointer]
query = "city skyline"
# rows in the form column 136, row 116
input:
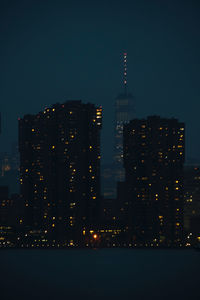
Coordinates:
column 74, row 60
column 61, row 204
column 99, row 149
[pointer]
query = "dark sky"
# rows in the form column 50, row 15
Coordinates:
column 52, row 51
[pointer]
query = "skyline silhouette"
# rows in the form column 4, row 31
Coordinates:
column 99, row 149
column 74, row 51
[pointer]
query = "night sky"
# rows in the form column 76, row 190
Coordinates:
column 53, row 51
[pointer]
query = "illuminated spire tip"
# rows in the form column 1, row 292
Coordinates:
column 125, row 72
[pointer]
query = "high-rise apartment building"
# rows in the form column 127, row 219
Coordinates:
column 153, row 160
column 60, row 171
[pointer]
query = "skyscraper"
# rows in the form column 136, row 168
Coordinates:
column 153, row 161
column 60, row 171
column 124, row 112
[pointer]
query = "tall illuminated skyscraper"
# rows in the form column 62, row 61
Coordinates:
column 60, row 170
column 124, row 112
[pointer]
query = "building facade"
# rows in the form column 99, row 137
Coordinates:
column 192, row 202
column 124, row 112
column 60, row 172
column 153, row 162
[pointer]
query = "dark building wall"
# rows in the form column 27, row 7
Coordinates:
column 9, row 218
column 9, row 169
column 153, row 161
column 5, row 205
column 60, row 168
column 192, row 200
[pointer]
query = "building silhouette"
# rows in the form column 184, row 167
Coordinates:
column 124, row 112
column 8, row 214
column 192, row 202
column 153, row 200
column 60, row 173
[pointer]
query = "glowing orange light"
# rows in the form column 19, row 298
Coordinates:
column 95, row 236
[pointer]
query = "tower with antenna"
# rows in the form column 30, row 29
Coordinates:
column 125, row 73
column 124, row 112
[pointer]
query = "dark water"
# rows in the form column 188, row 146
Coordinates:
column 99, row 274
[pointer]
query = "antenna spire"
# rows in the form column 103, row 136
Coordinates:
column 125, row 72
